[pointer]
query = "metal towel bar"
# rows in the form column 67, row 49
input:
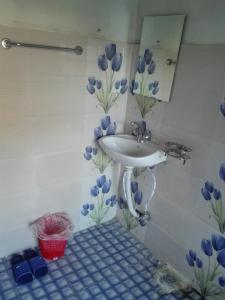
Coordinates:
column 7, row 44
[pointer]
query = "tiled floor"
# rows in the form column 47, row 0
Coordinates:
column 102, row 262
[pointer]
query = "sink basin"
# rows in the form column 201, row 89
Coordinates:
column 127, row 151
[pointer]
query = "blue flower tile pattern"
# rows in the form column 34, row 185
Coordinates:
column 102, row 262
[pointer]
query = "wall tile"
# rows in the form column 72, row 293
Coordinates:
column 16, row 240
column 198, row 89
column 57, row 95
column 190, row 230
column 15, row 137
column 166, row 248
column 16, row 210
column 61, row 197
column 57, row 134
column 47, row 118
column 17, row 176
column 180, row 215
column 58, row 169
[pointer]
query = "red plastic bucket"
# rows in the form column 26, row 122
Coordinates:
column 52, row 249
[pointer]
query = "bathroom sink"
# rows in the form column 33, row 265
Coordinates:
column 126, row 150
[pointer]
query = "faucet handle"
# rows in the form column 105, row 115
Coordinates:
column 135, row 128
column 140, row 125
column 147, row 135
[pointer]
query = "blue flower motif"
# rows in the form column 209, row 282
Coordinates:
column 94, row 191
column 98, row 132
column 138, row 197
column 117, row 84
column 111, row 201
column 222, row 172
column 106, row 125
column 155, row 83
column 88, row 149
column 217, row 194
column 124, row 82
column 150, row 86
column 101, row 180
column 91, row 206
column 155, row 90
column 221, row 281
column 107, row 201
column 87, row 156
column 218, row 242
column 110, row 51
column 106, row 186
column 141, row 64
column 134, row 86
column 206, row 194
column 111, row 130
column 98, row 84
column 134, row 187
column 94, row 150
column 102, row 62
column 222, row 108
column 207, row 247
column 199, row 263
column 90, row 89
column 105, row 122
column 92, row 80
column 221, row 258
column 84, row 212
column 154, row 87
column 209, row 186
column 117, row 62
column 151, row 67
column 123, row 89
column 190, row 260
column 86, row 206
column 148, row 56
column 192, row 254
column 121, row 203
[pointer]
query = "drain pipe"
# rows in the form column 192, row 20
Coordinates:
column 127, row 190
column 144, row 216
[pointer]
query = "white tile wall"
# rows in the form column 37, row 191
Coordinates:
column 180, row 215
column 46, row 119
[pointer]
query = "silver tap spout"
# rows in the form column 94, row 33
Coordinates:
column 140, row 132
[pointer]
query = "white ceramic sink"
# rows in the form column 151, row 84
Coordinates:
column 126, row 150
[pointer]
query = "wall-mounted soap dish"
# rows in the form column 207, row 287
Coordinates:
column 177, row 150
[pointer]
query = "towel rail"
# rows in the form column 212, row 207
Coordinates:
column 7, row 44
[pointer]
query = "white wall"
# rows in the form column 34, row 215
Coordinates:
column 180, row 215
column 205, row 18
column 47, row 118
column 116, row 19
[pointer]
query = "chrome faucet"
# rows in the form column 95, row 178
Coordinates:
column 140, row 131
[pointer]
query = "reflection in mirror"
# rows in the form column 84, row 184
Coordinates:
column 158, row 54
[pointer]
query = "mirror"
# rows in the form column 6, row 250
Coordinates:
column 158, row 54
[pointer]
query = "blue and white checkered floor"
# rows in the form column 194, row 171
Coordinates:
column 102, row 262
